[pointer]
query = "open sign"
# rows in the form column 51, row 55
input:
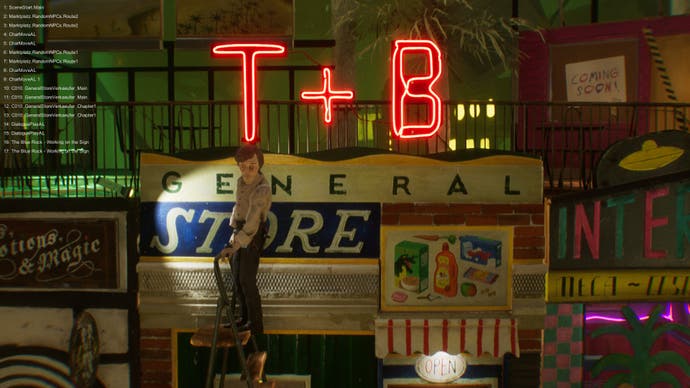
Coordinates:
column 441, row 367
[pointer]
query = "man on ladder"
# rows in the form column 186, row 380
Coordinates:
column 248, row 220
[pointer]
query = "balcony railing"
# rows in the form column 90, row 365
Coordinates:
column 69, row 150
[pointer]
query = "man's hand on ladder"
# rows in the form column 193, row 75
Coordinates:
column 229, row 249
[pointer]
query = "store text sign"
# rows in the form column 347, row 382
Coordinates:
column 611, row 286
column 306, row 230
column 374, row 178
column 641, row 226
column 409, row 89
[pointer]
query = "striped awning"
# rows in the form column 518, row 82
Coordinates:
column 474, row 336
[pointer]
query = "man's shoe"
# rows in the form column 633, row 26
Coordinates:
column 254, row 328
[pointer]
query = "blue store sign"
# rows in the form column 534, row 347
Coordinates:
column 296, row 230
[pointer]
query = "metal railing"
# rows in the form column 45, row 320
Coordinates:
column 69, row 150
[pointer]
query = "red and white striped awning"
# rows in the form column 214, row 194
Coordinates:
column 474, row 336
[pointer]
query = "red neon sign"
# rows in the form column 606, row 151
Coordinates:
column 249, row 52
column 415, row 89
column 328, row 95
column 407, row 90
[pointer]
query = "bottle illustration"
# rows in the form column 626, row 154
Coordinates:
column 446, row 274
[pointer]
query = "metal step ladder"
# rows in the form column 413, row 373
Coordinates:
column 224, row 334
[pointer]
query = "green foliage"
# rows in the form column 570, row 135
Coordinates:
column 473, row 26
column 638, row 369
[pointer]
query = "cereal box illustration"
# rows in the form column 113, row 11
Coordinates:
column 412, row 266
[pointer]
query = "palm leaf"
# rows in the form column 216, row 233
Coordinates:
column 668, row 327
column 664, row 377
column 437, row 24
column 654, row 315
column 614, row 329
column 463, row 23
column 632, row 318
column 670, row 357
column 612, row 361
column 617, row 380
column 428, row 30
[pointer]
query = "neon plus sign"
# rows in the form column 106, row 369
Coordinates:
column 327, row 95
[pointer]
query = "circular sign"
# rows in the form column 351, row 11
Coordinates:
column 441, row 367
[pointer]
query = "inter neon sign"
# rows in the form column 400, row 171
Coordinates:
column 406, row 89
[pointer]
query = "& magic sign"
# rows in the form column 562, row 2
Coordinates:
column 62, row 251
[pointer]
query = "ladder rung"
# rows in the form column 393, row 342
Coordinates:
column 264, row 384
column 226, row 339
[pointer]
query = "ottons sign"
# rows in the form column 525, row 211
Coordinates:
column 407, row 89
column 69, row 253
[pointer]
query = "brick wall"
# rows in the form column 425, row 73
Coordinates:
column 156, row 362
column 529, row 340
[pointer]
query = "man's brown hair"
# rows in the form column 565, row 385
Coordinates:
column 247, row 151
